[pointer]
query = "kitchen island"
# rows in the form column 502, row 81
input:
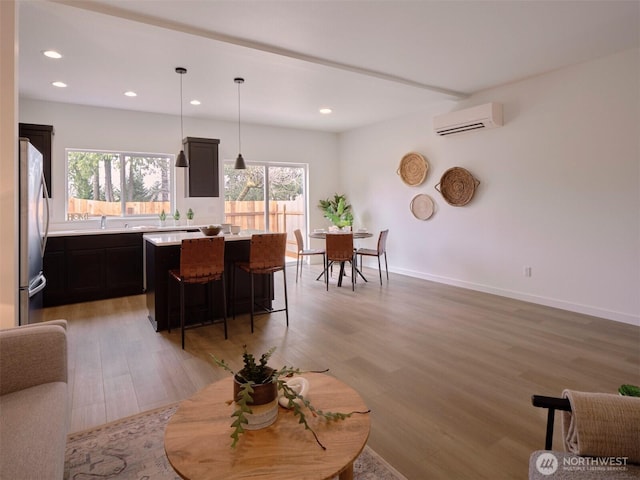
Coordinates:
column 162, row 253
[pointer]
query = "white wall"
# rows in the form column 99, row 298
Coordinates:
column 560, row 183
column 559, row 192
column 8, row 166
column 110, row 129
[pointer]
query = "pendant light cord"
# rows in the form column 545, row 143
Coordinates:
column 181, row 126
column 239, row 142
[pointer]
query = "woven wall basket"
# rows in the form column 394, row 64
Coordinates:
column 422, row 206
column 457, row 186
column 413, row 169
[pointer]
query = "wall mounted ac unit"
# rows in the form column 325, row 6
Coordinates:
column 488, row 115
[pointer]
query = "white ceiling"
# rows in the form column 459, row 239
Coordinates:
column 367, row 60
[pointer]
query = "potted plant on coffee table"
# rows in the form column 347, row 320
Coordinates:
column 255, row 393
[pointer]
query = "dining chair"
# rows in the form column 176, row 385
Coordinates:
column 266, row 256
column 302, row 252
column 201, row 262
column 381, row 250
column 339, row 247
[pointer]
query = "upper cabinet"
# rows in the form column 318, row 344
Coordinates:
column 202, row 174
column 41, row 137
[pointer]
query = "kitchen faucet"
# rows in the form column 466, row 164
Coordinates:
column 103, row 222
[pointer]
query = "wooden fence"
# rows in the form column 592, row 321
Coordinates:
column 98, row 207
column 284, row 216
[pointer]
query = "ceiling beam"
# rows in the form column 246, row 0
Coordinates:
column 110, row 9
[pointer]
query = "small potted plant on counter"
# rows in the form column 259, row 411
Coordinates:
column 176, row 218
column 190, row 217
column 163, row 218
column 255, row 393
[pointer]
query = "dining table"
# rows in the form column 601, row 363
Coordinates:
column 357, row 234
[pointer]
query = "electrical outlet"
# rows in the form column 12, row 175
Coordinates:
column 527, row 271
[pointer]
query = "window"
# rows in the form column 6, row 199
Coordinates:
column 118, row 183
column 267, row 196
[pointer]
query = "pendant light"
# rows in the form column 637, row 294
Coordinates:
column 239, row 165
column 181, row 161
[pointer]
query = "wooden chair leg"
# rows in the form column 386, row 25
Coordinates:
column 386, row 267
column 324, row 262
column 286, row 300
column 326, row 274
column 379, row 270
column 182, row 312
column 233, row 291
column 224, row 304
column 353, row 275
column 252, row 301
column 169, row 307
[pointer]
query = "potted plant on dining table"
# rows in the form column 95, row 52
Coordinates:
column 337, row 211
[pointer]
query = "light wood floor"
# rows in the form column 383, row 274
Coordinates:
column 447, row 372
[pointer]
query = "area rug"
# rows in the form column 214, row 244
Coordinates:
column 133, row 449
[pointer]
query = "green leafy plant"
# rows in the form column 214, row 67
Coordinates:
column 190, row 214
column 176, row 215
column 629, row 390
column 163, row 216
column 260, row 373
column 337, row 210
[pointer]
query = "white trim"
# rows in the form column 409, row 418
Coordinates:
column 549, row 302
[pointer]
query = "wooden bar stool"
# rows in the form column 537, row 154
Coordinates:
column 266, row 256
column 201, row 262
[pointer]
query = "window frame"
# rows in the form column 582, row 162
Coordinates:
column 123, row 154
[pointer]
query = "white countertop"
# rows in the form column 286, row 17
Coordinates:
column 175, row 238
column 112, row 230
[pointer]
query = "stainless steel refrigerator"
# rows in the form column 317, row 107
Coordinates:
column 33, row 227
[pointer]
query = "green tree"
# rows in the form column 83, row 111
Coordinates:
column 285, row 183
column 82, row 167
column 244, row 184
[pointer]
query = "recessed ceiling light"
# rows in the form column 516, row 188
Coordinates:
column 325, row 111
column 59, row 84
column 195, row 102
column 131, row 94
column 51, row 54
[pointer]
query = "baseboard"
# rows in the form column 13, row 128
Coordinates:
column 526, row 297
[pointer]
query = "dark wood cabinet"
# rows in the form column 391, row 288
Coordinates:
column 123, row 269
column 85, row 272
column 41, row 137
column 92, row 267
column 202, row 174
column 54, row 269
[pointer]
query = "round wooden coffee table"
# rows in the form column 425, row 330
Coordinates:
column 198, row 443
